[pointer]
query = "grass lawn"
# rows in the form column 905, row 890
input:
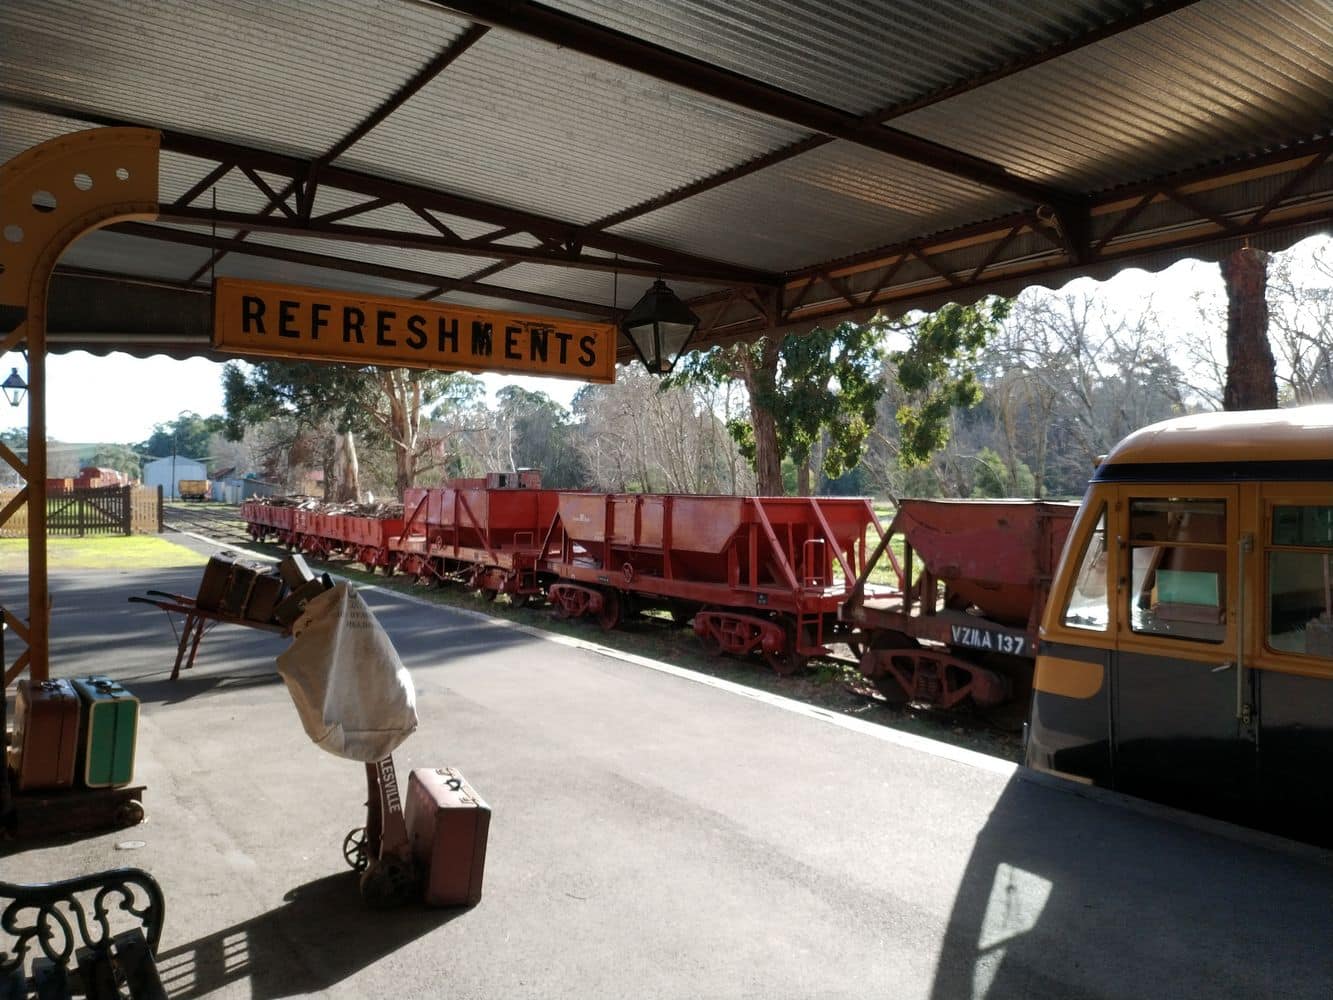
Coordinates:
column 100, row 552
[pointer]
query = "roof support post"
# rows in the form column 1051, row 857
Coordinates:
column 53, row 193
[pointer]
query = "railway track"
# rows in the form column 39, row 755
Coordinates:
column 221, row 523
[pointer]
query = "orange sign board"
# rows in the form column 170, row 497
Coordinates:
column 310, row 324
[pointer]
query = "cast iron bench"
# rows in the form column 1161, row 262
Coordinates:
column 91, row 936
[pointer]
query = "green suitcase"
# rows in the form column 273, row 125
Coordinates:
column 110, row 724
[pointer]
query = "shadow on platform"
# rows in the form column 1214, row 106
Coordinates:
column 1067, row 899
column 320, row 935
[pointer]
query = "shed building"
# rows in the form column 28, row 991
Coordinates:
column 168, row 472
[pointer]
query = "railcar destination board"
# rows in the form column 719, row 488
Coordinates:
column 312, row 324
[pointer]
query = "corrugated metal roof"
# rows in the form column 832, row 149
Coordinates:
column 1211, row 80
column 425, row 261
column 292, row 76
column 589, row 286
column 852, row 55
column 121, row 254
column 520, row 123
column 528, row 125
column 812, row 208
column 258, row 269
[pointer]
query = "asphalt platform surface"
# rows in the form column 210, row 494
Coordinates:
column 654, row 836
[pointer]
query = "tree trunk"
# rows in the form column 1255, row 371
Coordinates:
column 349, row 480
column 803, row 479
column 761, row 383
column 1251, row 374
column 767, row 458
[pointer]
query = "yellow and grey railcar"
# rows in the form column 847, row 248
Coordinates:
column 1186, row 652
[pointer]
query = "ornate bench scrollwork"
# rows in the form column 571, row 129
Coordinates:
column 93, row 936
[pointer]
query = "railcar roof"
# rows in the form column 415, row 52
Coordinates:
column 1301, row 434
column 783, row 163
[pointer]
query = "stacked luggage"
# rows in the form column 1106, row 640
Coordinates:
column 73, row 732
column 249, row 591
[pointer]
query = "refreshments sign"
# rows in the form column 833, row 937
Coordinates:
column 310, row 324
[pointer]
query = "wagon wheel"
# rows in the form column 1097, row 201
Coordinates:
column 354, row 849
column 711, row 643
column 788, row 661
column 610, row 614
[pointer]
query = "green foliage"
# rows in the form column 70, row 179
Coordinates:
column 993, row 478
column 309, row 393
column 851, row 483
column 937, row 372
column 824, row 386
column 186, row 436
column 543, row 436
column 120, row 457
column 829, row 384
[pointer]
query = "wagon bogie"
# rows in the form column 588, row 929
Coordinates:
column 928, row 675
column 572, row 600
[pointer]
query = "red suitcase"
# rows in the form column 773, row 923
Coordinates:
column 46, row 734
column 447, row 823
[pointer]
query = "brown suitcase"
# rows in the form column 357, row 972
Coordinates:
column 240, row 588
column 447, row 823
column 293, row 605
column 295, row 571
column 46, row 734
column 216, row 582
column 265, row 596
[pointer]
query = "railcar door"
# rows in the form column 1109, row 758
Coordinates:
column 1183, row 731
column 1295, row 651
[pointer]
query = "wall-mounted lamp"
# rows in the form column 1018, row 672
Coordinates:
column 15, row 388
column 659, row 326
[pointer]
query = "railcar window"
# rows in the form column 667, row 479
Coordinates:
column 1300, row 581
column 1088, row 607
column 1178, row 568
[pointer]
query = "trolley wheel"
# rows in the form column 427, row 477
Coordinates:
column 788, row 661
column 129, row 813
column 524, row 600
column 610, row 614
column 354, row 849
column 389, row 882
column 488, row 594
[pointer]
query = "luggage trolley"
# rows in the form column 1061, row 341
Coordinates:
column 356, row 701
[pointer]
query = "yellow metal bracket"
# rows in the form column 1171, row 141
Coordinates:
column 50, row 195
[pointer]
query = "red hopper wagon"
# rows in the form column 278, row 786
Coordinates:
column 483, row 533
column 762, row 574
column 962, row 624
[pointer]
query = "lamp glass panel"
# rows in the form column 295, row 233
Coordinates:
column 642, row 338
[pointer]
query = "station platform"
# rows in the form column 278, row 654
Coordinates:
column 654, row 835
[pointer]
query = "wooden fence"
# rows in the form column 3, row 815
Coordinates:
column 107, row 510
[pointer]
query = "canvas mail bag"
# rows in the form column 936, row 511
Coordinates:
column 352, row 692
